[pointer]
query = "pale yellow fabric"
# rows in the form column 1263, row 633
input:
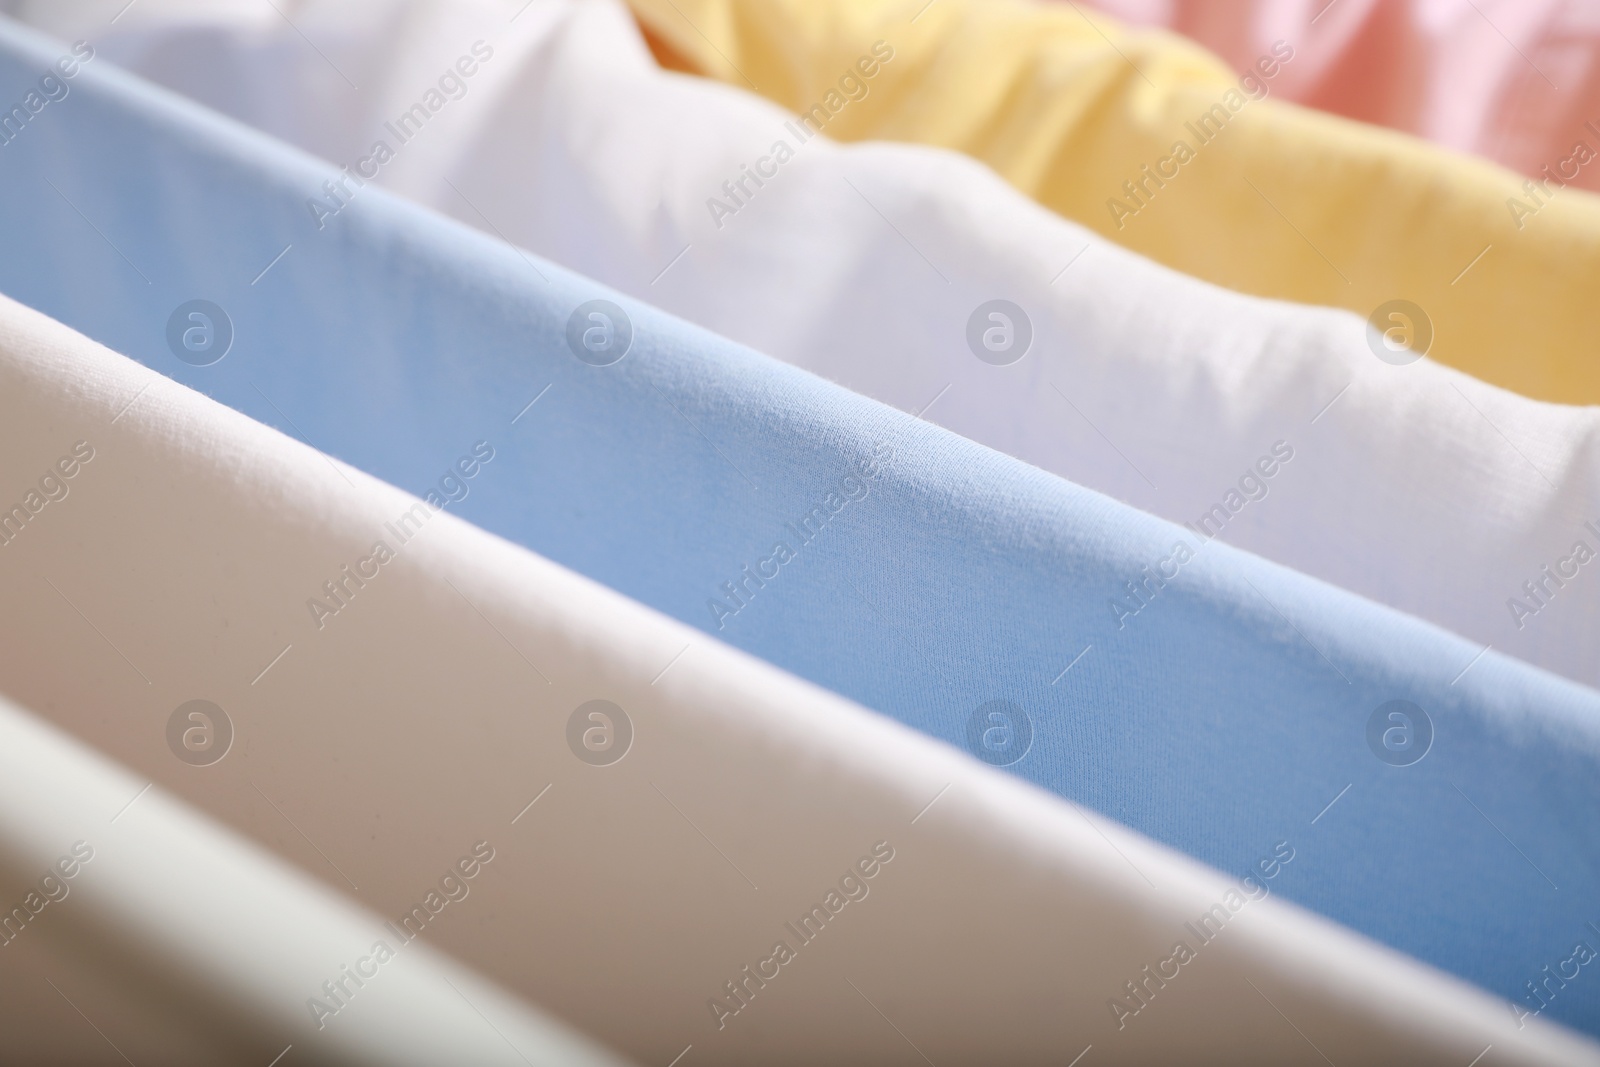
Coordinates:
column 1282, row 202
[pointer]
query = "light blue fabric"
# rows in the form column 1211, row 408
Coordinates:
column 1222, row 718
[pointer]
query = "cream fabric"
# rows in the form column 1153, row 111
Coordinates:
column 150, row 934
column 621, row 898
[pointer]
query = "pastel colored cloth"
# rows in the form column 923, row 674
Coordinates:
column 184, row 943
column 628, row 877
column 1242, row 707
column 1415, row 486
column 1515, row 81
column 1153, row 142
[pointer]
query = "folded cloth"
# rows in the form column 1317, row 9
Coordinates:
column 1413, row 485
column 1516, row 81
column 192, row 946
column 1154, row 143
column 612, row 814
column 1212, row 700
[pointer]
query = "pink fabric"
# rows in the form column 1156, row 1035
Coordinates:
column 1511, row 80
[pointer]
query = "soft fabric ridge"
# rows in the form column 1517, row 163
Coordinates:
column 418, row 755
column 886, row 559
column 186, row 944
column 1151, row 141
column 1413, row 485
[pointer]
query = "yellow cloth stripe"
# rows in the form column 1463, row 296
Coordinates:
column 1275, row 200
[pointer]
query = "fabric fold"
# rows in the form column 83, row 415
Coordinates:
column 187, row 945
column 1413, row 485
column 1150, row 141
column 656, row 838
column 1232, row 704
column 1517, row 82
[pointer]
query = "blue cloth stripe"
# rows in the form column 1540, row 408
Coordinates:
column 1221, row 717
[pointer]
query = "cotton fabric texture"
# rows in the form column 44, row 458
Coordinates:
column 1514, row 81
column 432, row 719
column 1260, row 197
column 1415, row 486
column 924, row 577
column 185, row 943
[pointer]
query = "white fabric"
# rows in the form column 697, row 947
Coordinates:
column 622, row 898
column 1413, row 485
column 187, row 945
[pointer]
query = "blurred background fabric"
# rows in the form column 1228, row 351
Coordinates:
column 1514, row 81
column 1262, row 196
